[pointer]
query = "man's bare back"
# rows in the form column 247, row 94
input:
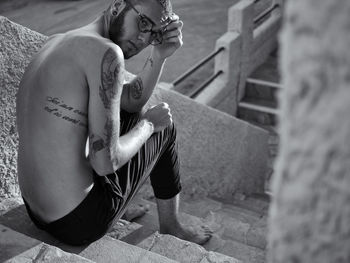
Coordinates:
column 54, row 173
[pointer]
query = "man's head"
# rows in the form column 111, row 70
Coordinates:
column 134, row 24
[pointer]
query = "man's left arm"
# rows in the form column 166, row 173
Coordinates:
column 138, row 89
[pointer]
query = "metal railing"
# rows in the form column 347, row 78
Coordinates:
column 264, row 14
column 204, row 84
column 197, row 66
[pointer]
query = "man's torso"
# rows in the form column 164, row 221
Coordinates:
column 52, row 116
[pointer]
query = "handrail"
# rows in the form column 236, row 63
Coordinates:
column 197, row 66
column 205, row 84
column 265, row 13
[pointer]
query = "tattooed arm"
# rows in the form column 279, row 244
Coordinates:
column 108, row 151
column 138, row 89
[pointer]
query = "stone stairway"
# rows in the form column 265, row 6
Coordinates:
column 239, row 227
column 232, row 160
column 259, row 105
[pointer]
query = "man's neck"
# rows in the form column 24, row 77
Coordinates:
column 100, row 26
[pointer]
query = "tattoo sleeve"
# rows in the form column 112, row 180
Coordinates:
column 135, row 88
column 96, row 144
column 110, row 77
column 109, row 92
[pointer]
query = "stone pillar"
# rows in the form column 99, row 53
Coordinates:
column 228, row 89
column 310, row 211
column 240, row 19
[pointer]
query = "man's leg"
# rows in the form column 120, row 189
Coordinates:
column 165, row 180
column 169, row 223
column 134, row 173
column 159, row 159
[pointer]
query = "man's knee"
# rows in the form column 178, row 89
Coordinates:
column 171, row 132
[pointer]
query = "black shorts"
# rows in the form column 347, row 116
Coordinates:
column 111, row 194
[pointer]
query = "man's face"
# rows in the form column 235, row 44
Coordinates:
column 125, row 32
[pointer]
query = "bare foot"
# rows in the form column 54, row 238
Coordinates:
column 198, row 234
column 135, row 211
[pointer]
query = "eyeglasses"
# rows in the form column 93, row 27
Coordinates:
column 145, row 25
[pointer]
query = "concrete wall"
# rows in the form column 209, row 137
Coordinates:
column 220, row 155
column 310, row 213
column 17, row 45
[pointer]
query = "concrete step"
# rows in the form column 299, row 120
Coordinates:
column 268, row 71
column 19, row 248
column 150, row 223
column 242, row 252
column 110, row 250
column 14, row 215
column 258, row 202
column 182, row 251
column 241, row 228
column 260, row 101
column 259, row 105
column 205, row 206
column 264, row 83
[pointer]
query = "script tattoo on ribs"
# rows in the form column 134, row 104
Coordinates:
column 135, row 88
column 110, row 77
column 58, row 108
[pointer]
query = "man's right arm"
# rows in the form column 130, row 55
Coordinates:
column 107, row 150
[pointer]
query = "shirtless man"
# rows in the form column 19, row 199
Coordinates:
column 76, row 88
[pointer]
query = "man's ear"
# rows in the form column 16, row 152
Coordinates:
column 117, row 6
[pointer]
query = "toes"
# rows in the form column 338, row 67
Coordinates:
column 144, row 207
column 207, row 229
column 204, row 240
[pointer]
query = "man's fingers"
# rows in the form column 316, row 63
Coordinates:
column 170, row 34
column 174, row 26
column 174, row 40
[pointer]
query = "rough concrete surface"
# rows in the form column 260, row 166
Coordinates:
column 44, row 253
column 182, row 251
column 309, row 215
column 109, row 250
column 17, row 45
column 13, row 243
column 219, row 154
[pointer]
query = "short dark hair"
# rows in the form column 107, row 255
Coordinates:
column 166, row 4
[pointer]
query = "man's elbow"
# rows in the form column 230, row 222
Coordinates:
column 102, row 166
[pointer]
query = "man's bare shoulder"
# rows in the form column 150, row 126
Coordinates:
column 89, row 49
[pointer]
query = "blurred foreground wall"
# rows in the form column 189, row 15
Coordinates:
column 310, row 213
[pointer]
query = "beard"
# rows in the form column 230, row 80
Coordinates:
column 116, row 34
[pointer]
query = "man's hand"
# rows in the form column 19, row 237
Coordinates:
column 172, row 38
column 159, row 116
